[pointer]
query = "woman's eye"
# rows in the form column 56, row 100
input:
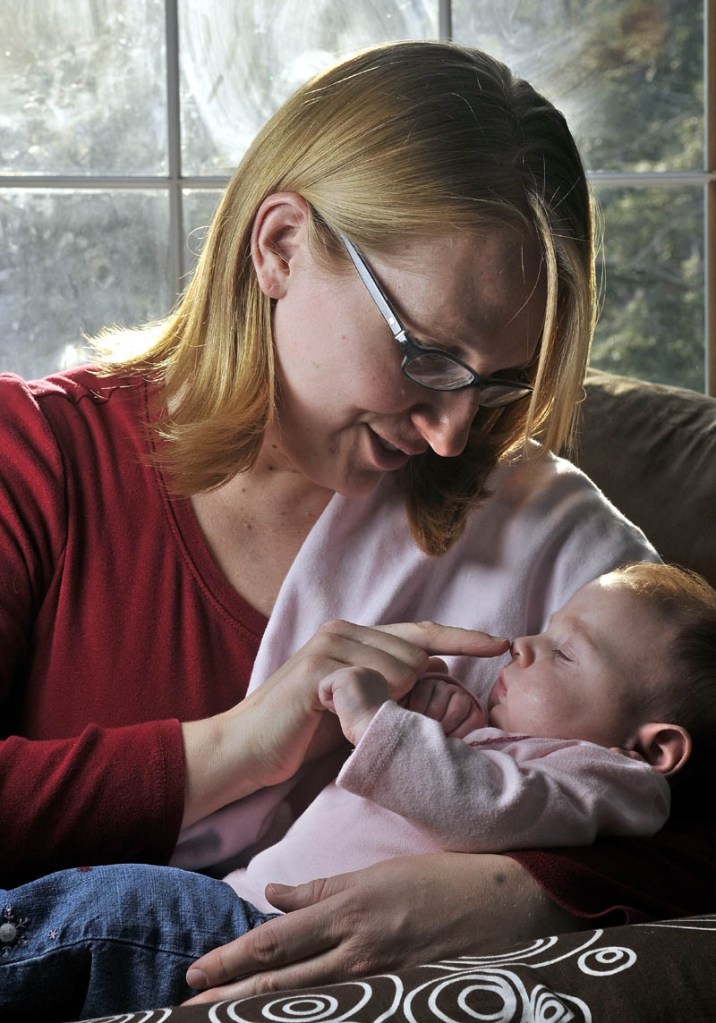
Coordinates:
column 434, row 346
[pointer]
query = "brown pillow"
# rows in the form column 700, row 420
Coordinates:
column 631, row 974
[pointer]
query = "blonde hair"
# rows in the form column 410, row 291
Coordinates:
column 407, row 138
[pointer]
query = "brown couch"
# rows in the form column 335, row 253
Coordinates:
column 652, row 449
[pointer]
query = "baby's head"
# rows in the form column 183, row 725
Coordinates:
column 628, row 662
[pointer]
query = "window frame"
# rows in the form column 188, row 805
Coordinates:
column 175, row 183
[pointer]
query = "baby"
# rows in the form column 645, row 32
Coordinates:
column 583, row 732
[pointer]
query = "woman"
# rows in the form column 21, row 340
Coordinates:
column 258, row 464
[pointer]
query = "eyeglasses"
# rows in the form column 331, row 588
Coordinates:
column 431, row 367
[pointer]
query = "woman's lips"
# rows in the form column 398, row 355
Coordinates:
column 389, row 456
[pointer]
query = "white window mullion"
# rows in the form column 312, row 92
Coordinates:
column 176, row 213
column 445, row 19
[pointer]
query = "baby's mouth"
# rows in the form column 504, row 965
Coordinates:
column 498, row 690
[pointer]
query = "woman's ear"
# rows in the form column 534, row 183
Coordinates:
column 666, row 747
column 279, row 230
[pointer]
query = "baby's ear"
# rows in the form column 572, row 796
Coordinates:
column 666, row 747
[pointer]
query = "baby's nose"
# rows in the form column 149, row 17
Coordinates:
column 520, row 650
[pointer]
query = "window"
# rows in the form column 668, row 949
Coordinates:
column 120, row 121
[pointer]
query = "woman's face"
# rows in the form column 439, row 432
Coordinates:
column 346, row 413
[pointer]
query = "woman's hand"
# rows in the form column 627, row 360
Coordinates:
column 282, row 724
column 397, row 913
column 355, row 695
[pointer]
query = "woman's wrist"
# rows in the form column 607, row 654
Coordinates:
column 220, row 765
column 260, row 742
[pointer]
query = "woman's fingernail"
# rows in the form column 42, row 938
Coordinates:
column 281, row 889
column 197, row 979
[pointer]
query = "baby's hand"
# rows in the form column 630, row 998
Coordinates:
column 445, row 700
column 355, row 695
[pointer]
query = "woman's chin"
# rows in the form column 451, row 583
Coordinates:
column 360, row 484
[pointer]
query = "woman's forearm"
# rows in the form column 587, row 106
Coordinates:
column 106, row 794
column 257, row 744
column 214, row 777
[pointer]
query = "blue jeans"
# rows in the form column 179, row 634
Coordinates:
column 102, row 940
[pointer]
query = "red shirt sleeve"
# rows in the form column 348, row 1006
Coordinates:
column 111, row 630
column 619, row 880
column 60, row 794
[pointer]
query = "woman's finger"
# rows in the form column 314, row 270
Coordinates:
column 263, row 958
column 438, row 665
column 447, row 639
column 399, row 652
column 403, row 639
column 339, row 644
column 308, row 973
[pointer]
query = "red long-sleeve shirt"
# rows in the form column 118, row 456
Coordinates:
column 115, row 622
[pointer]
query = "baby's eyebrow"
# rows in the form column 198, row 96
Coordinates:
column 579, row 631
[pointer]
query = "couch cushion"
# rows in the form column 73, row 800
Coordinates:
column 652, row 450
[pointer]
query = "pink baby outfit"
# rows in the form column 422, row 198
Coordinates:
column 407, row 789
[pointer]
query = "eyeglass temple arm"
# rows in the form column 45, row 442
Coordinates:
column 375, row 290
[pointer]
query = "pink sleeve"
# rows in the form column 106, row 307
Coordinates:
column 492, row 793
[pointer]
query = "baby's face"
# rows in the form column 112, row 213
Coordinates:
column 590, row 674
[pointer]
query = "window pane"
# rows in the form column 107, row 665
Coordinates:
column 199, row 206
column 628, row 74
column 82, row 87
column 73, row 262
column 652, row 324
column 240, row 60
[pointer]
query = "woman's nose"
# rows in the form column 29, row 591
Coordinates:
column 444, row 422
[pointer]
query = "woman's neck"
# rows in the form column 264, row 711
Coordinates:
column 255, row 526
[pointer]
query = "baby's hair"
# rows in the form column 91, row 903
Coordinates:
column 687, row 601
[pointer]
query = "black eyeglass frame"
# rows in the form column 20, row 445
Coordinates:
column 508, row 391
